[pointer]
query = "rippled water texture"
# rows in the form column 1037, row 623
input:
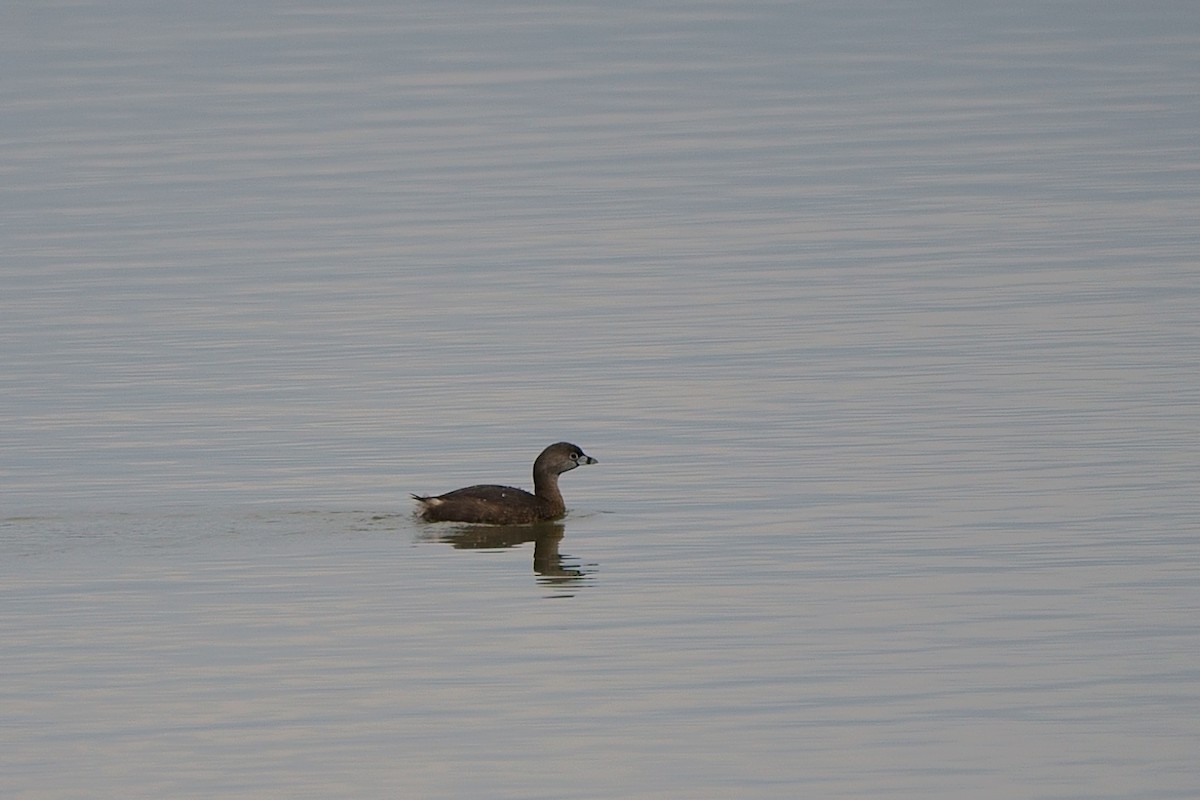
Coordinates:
column 881, row 319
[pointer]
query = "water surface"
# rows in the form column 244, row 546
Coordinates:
column 880, row 318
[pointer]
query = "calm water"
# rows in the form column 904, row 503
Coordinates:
column 880, row 317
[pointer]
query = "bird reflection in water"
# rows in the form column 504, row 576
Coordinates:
column 551, row 567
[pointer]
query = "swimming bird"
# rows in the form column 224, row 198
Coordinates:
column 505, row 505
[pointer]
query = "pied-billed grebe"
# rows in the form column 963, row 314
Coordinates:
column 504, row 505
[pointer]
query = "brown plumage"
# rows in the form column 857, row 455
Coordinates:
column 504, row 505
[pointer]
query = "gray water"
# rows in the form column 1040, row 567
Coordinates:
column 880, row 317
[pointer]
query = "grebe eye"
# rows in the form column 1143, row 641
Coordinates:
column 574, row 456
